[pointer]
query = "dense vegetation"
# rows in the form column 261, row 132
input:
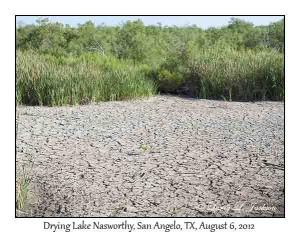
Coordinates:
column 58, row 64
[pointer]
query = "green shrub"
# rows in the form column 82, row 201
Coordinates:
column 169, row 81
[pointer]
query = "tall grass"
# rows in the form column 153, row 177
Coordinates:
column 218, row 72
column 48, row 81
column 237, row 75
column 23, row 177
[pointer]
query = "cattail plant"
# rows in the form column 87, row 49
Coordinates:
column 41, row 82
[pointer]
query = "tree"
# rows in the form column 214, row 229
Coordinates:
column 132, row 41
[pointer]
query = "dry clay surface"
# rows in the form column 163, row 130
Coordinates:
column 161, row 157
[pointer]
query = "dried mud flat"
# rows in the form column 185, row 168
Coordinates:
column 158, row 157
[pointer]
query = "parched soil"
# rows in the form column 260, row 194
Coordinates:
column 159, row 157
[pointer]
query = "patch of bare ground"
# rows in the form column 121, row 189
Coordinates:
column 162, row 156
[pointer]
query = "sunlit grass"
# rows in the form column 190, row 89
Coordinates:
column 214, row 73
column 238, row 75
column 41, row 82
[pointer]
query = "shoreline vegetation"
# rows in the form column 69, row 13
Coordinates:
column 59, row 65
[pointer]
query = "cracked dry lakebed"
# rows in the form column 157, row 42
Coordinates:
column 163, row 156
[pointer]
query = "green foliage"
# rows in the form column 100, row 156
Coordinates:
column 144, row 44
column 276, row 36
column 143, row 147
column 169, row 81
column 132, row 41
column 45, row 83
column 69, row 65
column 240, row 75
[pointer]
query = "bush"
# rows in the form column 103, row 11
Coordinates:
column 169, row 81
